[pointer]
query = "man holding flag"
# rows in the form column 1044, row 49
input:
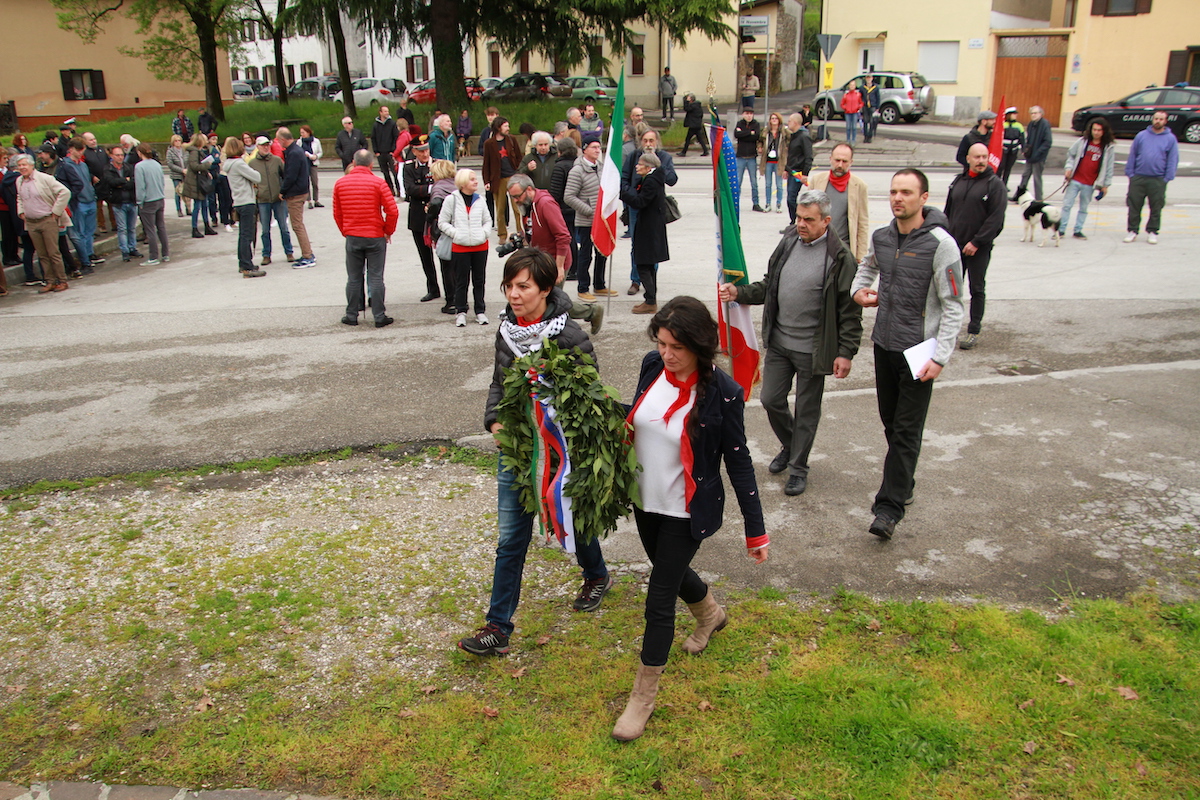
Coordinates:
column 812, row 326
column 975, row 207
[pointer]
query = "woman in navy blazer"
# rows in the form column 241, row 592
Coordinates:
column 687, row 417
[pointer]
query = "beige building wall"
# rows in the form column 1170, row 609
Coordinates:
column 960, row 27
column 1119, row 55
column 691, row 65
column 37, row 49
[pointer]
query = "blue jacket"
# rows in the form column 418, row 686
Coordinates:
column 1154, row 155
column 296, row 172
column 720, row 434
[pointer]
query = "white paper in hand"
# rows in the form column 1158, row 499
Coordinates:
column 918, row 356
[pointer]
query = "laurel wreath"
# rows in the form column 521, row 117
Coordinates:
column 603, row 481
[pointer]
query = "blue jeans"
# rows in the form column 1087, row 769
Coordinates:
column 516, row 531
column 773, row 175
column 852, row 123
column 748, row 165
column 127, row 216
column 794, row 189
column 1084, row 193
column 83, row 232
column 200, row 209
column 278, row 209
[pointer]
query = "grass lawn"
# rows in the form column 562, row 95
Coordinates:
column 212, row 675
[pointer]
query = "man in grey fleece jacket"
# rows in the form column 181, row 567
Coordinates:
column 919, row 297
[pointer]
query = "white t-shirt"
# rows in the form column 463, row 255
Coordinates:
column 658, row 447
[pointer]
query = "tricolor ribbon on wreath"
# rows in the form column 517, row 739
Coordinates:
column 549, row 441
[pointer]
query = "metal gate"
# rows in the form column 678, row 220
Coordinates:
column 1029, row 72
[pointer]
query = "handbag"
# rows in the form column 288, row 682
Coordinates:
column 204, row 182
column 444, row 243
column 673, row 212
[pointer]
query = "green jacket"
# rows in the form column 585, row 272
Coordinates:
column 840, row 327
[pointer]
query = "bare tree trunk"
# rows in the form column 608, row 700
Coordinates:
column 333, row 17
column 206, row 36
column 446, row 38
column 280, row 76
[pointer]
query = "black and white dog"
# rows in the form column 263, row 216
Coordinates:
column 1035, row 211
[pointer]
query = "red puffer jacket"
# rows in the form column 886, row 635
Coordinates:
column 852, row 102
column 358, row 198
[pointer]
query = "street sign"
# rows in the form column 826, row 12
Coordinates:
column 828, row 75
column 828, row 42
column 754, row 25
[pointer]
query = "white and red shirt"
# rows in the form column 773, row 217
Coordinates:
column 662, row 481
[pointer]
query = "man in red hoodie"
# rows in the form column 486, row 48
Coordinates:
column 366, row 214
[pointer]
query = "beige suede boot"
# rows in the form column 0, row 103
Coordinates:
column 710, row 618
column 632, row 722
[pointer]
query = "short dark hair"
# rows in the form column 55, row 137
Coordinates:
column 542, row 268
column 920, row 176
column 77, row 144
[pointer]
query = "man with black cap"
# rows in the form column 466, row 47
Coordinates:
column 982, row 132
column 66, row 132
column 418, row 183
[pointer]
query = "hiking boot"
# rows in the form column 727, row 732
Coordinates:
column 883, row 527
column 968, row 341
column 489, row 641
column 591, row 594
column 596, row 320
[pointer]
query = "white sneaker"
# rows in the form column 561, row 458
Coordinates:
column 778, row 209
column 1132, row 235
column 481, row 319
column 460, row 321
column 229, row 229
column 1152, row 238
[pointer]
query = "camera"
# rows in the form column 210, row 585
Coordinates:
column 514, row 243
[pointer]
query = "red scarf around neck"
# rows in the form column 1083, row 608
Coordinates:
column 685, row 391
column 839, row 183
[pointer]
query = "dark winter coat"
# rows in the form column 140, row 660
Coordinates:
column 975, row 207
column 649, row 197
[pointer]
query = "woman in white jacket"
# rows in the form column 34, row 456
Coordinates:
column 311, row 146
column 466, row 220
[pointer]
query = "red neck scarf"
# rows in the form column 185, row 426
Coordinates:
column 839, row 183
column 685, row 391
column 525, row 323
column 973, row 174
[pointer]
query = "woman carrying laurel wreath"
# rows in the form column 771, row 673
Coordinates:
column 536, row 310
column 687, row 417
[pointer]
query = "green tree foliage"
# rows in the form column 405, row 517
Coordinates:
column 326, row 15
column 176, row 36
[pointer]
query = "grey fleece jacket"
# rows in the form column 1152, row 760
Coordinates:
column 929, row 247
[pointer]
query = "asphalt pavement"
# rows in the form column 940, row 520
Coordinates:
column 1059, row 455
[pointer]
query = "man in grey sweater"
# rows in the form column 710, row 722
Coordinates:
column 919, row 298
column 812, row 327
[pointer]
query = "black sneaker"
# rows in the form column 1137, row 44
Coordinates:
column 1080, row 235
column 592, row 593
column 780, row 462
column 489, row 641
column 883, row 527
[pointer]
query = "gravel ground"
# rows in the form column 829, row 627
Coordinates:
column 328, row 577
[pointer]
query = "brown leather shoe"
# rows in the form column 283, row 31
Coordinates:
column 645, row 308
column 49, row 287
column 60, row 287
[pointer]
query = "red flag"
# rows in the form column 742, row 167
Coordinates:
column 996, row 145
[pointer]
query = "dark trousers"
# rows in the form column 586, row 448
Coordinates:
column 648, row 277
column 976, row 268
column 1142, row 188
column 583, row 266
column 1033, row 169
column 795, row 431
column 700, row 137
column 224, row 200
column 669, row 107
column 1006, row 164
column 470, row 269
column 64, row 250
column 247, row 230
column 793, row 191
column 153, row 222
column 425, row 252
column 448, row 281
column 869, row 121
column 8, row 238
column 903, row 405
column 387, row 165
column 365, row 253
column 27, row 252
column 670, row 547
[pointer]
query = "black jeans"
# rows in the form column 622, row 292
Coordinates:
column 583, row 266
column 976, row 268
column 470, row 269
column 247, row 230
column 668, row 107
column 363, row 252
column 425, row 252
column 669, row 544
column 387, row 165
column 700, row 137
column 648, row 277
column 448, row 281
column 903, row 405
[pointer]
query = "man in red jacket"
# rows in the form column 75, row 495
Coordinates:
column 366, row 214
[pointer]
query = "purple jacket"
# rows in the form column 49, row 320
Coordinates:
column 1155, row 155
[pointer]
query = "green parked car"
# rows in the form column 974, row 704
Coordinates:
column 593, row 88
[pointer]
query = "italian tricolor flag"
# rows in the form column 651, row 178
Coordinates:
column 608, row 204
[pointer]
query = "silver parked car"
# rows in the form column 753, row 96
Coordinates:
column 902, row 96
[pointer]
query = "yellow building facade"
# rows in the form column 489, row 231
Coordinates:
column 50, row 74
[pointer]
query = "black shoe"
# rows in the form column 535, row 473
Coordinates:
column 126, row 257
column 883, row 527
column 317, row 204
column 208, row 231
column 796, row 485
column 571, row 276
column 757, row 207
column 87, row 271
column 384, row 322
column 448, row 308
column 97, row 260
column 137, row 254
column 591, row 594
column 489, row 641
column 780, row 462
column 348, row 320
column 196, row 234
column 430, row 296
column 1079, row 235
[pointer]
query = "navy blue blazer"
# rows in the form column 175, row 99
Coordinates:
column 720, row 433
